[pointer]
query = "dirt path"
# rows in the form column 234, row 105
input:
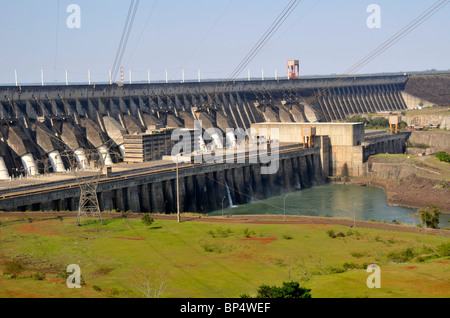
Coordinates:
column 256, row 219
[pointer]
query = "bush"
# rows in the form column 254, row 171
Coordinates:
column 335, row 270
column 357, row 254
column 348, row 266
column 224, row 232
column 444, row 249
column 114, row 291
column 443, row 156
column 288, row 290
column 39, row 276
column 64, row 275
column 14, row 268
column 96, row 288
column 215, row 247
column 147, row 219
column 287, row 237
column 353, row 232
column 248, row 233
column 402, row 125
column 402, row 256
column 104, row 270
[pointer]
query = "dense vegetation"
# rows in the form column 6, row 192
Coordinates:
column 287, row 290
column 443, row 156
column 374, row 122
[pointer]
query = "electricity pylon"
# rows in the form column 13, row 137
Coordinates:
column 88, row 189
column 92, row 161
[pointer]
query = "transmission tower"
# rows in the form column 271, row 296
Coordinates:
column 87, row 166
column 88, row 169
column 88, row 188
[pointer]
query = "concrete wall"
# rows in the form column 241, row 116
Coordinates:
column 390, row 144
column 143, row 89
column 412, row 101
column 344, row 146
column 101, row 114
column 347, row 143
column 340, row 134
column 437, row 140
column 202, row 188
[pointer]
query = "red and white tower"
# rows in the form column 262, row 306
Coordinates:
column 293, row 69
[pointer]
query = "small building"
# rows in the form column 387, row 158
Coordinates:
column 148, row 146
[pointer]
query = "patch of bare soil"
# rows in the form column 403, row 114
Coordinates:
column 34, row 228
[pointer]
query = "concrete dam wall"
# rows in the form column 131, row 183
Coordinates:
column 202, row 188
column 39, row 123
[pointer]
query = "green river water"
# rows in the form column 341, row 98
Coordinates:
column 333, row 200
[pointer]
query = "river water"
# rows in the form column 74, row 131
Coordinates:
column 333, row 200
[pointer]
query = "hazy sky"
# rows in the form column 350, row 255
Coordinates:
column 328, row 37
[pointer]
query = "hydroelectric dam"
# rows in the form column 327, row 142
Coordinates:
column 53, row 137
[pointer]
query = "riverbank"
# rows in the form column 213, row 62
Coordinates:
column 409, row 181
column 411, row 192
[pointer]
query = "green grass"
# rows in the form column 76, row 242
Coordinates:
column 428, row 111
column 201, row 259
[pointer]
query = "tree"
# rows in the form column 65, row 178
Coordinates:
column 430, row 216
column 403, row 125
column 288, row 290
column 147, row 220
column 150, row 284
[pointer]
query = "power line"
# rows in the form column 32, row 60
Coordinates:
column 124, row 38
column 142, row 33
column 266, row 36
column 56, row 40
column 385, row 45
column 285, row 13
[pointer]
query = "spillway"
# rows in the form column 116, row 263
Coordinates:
column 35, row 121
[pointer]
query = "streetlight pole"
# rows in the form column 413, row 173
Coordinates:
column 354, row 215
column 222, row 204
column 284, row 218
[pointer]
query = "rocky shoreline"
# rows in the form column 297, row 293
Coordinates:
column 411, row 192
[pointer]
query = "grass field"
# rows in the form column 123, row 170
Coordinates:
column 201, row 259
column 428, row 111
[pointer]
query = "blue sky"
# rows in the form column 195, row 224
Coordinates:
column 328, row 37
